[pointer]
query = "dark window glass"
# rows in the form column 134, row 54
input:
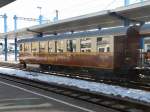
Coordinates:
column 20, row 47
column 71, row 45
column 108, row 49
column 59, row 46
column 101, row 49
column 99, row 39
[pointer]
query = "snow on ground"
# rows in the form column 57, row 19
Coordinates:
column 136, row 94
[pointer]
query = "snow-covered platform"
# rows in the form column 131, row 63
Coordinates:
column 10, row 58
column 139, row 95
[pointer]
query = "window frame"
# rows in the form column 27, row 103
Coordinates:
column 70, row 45
column 89, row 44
column 27, row 47
column 36, row 49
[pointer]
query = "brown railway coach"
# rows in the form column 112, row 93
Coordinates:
column 59, row 52
column 115, row 49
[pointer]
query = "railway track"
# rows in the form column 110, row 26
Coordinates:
column 143, row 85
column 116, row 103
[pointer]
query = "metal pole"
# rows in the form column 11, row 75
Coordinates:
column 40, row 19
column 5, row 39
column 142, row 39
column 142, row 47
column 142, row 43
column 15, row 23
column 126, row 2
column 141, row 0
column 15, row 48
column 15, row 41
column 126, row 22
column 40, row 16
column 5, row 49
column 142, row 51
column 56, row 14
column 56, row 17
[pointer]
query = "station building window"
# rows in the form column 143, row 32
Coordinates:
column 71, row 45
column 85, row 44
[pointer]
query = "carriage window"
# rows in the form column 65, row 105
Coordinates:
column 35, row 47
column 27, row 47
column 103, row 44
column 59, row 45
column 51, row 46
column 99, row 39
column 101, row 50
column 21, row 47
column 85, row 45
column 100, row 44
column 71, row 45
column 108, row 49
column 43, row 46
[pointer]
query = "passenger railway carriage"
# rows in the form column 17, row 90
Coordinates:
column 108, row 51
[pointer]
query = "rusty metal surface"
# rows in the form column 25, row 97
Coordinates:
column 119, row 49
column 97, row 60
column 125, row 54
